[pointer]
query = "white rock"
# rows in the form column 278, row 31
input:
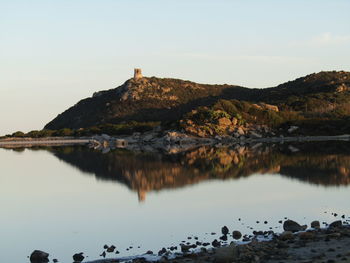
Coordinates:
column 292, row 129
column 255, row 135
column 293, row 149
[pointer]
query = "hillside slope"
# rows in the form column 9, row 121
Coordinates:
column 155, row 99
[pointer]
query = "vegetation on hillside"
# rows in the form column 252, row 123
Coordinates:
column 111, row 129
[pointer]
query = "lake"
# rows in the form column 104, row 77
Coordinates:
column 65, row 200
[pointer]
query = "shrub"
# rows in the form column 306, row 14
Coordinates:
column 18, row 134
column 64, row 132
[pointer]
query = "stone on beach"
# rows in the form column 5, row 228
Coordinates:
column 236, row 234
column 335, row 224
column 78, row 257
column 290, row 225
column 216, row 243
column 224, row 230
column 39, row 256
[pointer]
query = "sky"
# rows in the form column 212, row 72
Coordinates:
column 55, row 53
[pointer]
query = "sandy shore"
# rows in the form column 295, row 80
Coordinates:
column 151, row 140
column 49, row 141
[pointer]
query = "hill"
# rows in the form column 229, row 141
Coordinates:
column 147, row 99
column 319, row 96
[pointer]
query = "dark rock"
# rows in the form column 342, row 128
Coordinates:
column 236, row 234
column 103, row 254
column 216, row 243
column 162, row 251
column 185, row 248
column 111, row 249
column 337, row 223
column 223, row 238
column 290, row 225
column 55, row 260
column 149, row 252
column 78, row 257
column 105, row 246
column 315, row 224
column 39, row 256
column 224, row 230
column 258, row 233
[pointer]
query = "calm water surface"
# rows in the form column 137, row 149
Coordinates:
column 65, row 200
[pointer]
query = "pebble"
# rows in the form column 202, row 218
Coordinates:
column 111, row 249
column 224, row 230
column 236, row 234
column 78, row 257
column 215, row 243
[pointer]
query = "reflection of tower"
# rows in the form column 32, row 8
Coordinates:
column 142, row 195
column 137, row 74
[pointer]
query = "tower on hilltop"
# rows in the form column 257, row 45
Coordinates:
column 137, row 74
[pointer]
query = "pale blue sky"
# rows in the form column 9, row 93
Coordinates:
column 54, row 53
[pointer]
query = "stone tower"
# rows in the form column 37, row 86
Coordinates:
column 137, row 74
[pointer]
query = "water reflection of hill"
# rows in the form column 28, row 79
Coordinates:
column 321, row 164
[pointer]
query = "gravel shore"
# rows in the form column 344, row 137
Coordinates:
column 314, row 245
column 330, row 245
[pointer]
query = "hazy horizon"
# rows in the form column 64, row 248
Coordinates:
column 53, row 54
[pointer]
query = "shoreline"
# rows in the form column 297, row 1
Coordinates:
column 46, row 141
column 315, row 245
column 151, row 141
